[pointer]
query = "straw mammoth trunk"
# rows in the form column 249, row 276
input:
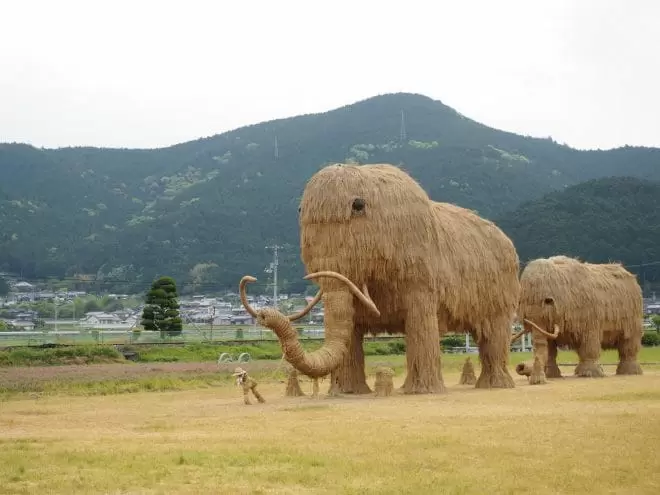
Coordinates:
column 339, row 326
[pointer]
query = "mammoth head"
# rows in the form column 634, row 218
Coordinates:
column 352, row 213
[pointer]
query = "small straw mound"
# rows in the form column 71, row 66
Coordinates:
column 468, row 376
column 384, row 384
column 293, row 384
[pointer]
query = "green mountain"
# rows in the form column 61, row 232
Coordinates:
column 203, row 211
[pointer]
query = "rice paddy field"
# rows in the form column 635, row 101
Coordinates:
column 148, row 428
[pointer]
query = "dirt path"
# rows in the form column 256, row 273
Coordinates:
column 97, row 372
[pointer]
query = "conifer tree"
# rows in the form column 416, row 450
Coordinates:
column 161, row 311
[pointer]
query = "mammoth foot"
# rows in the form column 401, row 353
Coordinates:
column 629, row 368
column 537, row 378
column 423, row 385
column 589, row 370
column 552, row 371
column 352, row 385
column 358, row 389
column 538, row 373
column 495, row 378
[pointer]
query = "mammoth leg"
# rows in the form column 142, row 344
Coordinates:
column 628, row 350
column 494, row 355
column 589, row 353
column 422, row 345
column 349, row 377
column 541, row 348
column 538, row 376
column 551, row 369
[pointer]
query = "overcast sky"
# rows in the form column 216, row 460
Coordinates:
column 154, row 73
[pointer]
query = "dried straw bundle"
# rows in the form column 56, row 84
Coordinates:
column 384, row 383
column 468, row 377
column 591, row 306
column 293, row 385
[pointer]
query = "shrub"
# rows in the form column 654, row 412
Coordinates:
column 398, row 347
column 82, row 354
column 650, row 339
column 452, row 341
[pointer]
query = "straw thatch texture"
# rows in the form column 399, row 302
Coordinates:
column 468, row 377
column 384, row 383
column 594, row 306
column 427, row 266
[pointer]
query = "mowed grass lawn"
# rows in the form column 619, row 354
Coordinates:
column 568, row 436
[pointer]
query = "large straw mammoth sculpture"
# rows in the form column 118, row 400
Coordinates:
column 588, row 306
column 388, row 259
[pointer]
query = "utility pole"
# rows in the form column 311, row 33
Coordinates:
column 277, row 151
column 402, row 136
column 273, row 268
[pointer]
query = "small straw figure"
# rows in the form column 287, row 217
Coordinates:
column 248, row 383
column 384, row 383
column 468, row 377
column 538, row 374
column 293, row 385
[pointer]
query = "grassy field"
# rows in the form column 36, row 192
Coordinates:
column 101, row 370
column 180, row 427
column 569, row 436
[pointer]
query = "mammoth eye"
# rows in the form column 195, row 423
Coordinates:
column 548, row 300
column 299, row 209
column 358, row 204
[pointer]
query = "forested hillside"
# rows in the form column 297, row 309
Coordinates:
column 601, row 220
column 203, row 211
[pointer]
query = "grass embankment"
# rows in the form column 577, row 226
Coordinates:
column 83, row 354
column 569, row 436
column 190, row 353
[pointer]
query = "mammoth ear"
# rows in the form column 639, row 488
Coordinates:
column 549, row 301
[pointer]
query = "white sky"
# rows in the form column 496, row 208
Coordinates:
column 155, row 73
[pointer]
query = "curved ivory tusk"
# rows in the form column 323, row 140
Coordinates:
column 249, row 279
column 547, row 334
column 241, row 289
column 518, row 335
column 309, row 307
column 364, row 298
